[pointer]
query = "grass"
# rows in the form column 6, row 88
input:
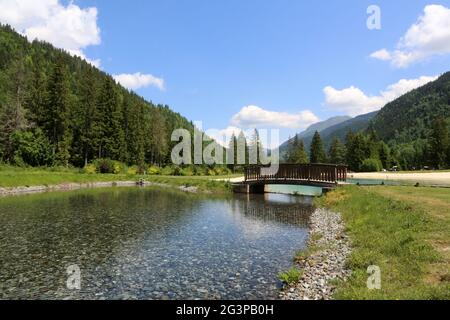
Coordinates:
column 11, row 177
column 311, row 250
column 404, row 231
column 291, row 276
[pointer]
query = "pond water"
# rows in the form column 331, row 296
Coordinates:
column 142, row 243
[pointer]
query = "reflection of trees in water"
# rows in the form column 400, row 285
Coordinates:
column 293, row 212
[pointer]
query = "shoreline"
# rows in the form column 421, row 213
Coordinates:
column 19, row 191
column 323, row 260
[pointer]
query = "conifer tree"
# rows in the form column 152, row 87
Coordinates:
column 439, row 144
column 317, row 150
column 56, row 114
column 337, row 152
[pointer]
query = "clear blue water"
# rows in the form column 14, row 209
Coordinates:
column 301, row 190
column 149, row 244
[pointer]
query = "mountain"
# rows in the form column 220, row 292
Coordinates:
column 321, row 126
column 410, row 117
column 57, row 109
column 309, row 132
column 359, row 123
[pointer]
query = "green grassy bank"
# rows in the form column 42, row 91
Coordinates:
column 404, row 231
column 11, row 177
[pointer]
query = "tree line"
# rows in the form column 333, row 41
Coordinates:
column 365, row 151
column 56, row 109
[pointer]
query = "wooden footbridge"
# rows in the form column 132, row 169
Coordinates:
column 324, row 176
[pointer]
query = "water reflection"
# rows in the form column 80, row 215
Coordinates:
column 148, row 244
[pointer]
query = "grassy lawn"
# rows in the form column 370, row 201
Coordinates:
column 18, row 177
column 404, row 231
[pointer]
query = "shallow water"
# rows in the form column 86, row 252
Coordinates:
column 148, row 244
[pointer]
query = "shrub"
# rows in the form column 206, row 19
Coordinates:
column 132, row 170
column 106, row 166
column 177, row 171
column 90, row 169
column 32, row 148
column 371, row 165
column 167, row 171
column 118, row 167
column 153, row 170
column 188, row 172
column 291, row 276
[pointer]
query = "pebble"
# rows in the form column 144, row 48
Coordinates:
column 325, row 265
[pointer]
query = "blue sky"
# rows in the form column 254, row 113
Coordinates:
column 217, row 57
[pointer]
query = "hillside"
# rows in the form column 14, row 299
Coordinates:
column 309, row 132
column 335, row 128
column 359, row 123
column 56, row 109
column 321, row 126
column 410, row 117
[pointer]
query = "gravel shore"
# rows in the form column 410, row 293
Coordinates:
column 329, row 248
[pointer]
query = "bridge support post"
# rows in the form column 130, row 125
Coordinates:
column 257, row 188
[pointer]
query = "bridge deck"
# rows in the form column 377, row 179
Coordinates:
column 317, row 175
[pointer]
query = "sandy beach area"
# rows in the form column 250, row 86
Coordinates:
column 425, row 178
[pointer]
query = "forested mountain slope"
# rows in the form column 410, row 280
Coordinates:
column 58, row 109
column 308, row 134
column 410, row 117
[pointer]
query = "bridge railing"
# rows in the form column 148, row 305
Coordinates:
column 307, row 172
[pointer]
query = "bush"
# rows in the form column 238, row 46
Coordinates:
column 153, row 170
column 90, row 169
column 291, row 276
column 32, row 148
column 108, row 166
column 188, row 172
column 177, row 171
column 167, row 171
column 132, row 170
column 371, row 165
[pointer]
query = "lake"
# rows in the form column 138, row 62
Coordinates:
column 145, row 243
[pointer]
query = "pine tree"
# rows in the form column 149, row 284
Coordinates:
column 56, row 120
column 12, row 116
column 297, row 152
column 385, row 155
column 337, row 152
column 357, row 151
column 242, row 150
column 317, row 150
column 88, row 105
column 232, row 156
column 107, row 125
column 158, row 142
column 439, row 144
column 255, row 148
column 37, row 97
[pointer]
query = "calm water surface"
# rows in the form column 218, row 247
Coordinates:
column 148, row 244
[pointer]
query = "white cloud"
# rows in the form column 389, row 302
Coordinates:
column 382, row 54
column 67, row 27
column 223, row 136
column 139, row 80
column 429, row 36
column 353, row 101
column 256, row 117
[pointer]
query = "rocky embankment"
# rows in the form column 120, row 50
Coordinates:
column 324, row 259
